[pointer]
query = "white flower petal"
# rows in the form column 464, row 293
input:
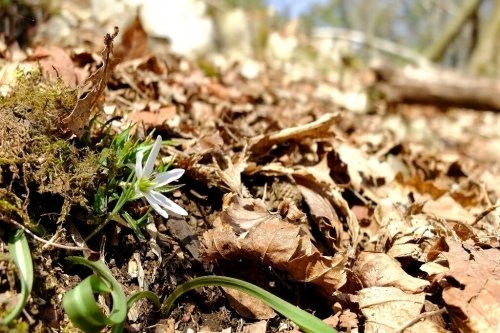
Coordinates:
column 160, row 210
column 138, row 165
column 150, row 163
column 157, row 198
column 155, row 204
column 164, row 178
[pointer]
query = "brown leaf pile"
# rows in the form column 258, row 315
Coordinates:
column 248, row 230
column 392, row 213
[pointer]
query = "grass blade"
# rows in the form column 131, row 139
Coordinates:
column 306, row 321
column 103, row 281
column 21, row 254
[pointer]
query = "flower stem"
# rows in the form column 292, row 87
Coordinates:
column 124, row 197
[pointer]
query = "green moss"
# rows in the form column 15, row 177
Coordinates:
column 36, row 157
column 18, row 327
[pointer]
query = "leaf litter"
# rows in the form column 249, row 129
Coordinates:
column 374, row 221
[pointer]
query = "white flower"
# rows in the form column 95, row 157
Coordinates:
column 146, row 186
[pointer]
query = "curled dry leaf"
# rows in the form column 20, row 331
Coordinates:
column 273, row 240
column 472, row 286
column 326, row 204
column 79, row 117
column 331, row 202
column 380, row 270
column 325, row 217
column 229, row 170
column 406, row 232
column 317, row 129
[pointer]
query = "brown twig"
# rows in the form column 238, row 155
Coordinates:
column 66, row 247
column 419, row 318
column 484, row 213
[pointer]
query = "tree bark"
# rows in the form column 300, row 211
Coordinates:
column 436, row 50
column 433, row 86
column 484, row 52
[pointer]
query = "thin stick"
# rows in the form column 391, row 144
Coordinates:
column 483, row 214
column 66, row 247
column 419, row 318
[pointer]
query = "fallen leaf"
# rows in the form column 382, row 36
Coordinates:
column 274, row 240
column 229, row 170
column 320, row 128
column 79, row 117
column 180, row 230
column 472, row 290
column 380, row 270
column 335, row 235
column 134, row 42
column 404, row 232
column 325, row 217
column 448, row 209
column 386, row 309
column 348, row 319
column 248, row 306
column 154, row 119
column 258, row 327
column 206, row 144
column 57, row 63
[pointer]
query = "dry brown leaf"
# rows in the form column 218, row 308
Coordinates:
column 273, row 240
column 248, row 306
column 229, row 170
column 406, row 232
column 333, row 320
column 432, row 268
column 80, row 115
column 348, row 319
column 325, row 217
column 134, row 42
column 380, row 270
column 322, row 171
column 364, row 171
column 317, row 129
column 153, row 119
column 258, row 327
column 206, row 144
column 448, row 209
column 347, row 242
column 386, row 309
column 472, row 291
column 57, row 63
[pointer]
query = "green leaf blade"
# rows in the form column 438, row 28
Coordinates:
column 21, row 254
column 306, row 321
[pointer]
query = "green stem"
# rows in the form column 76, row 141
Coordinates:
column 306, row 321
column 124, row 197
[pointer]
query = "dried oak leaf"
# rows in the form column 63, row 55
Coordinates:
column 380, row 270
column 386, row 309
column 404, row 232
column 79, row 117
column 248, row 230
column 472, row 293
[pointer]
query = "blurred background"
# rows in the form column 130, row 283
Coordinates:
column 460, row 34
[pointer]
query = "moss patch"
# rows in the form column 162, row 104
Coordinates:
column 34, row 158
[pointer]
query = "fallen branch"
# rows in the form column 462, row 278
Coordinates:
column 433, row 86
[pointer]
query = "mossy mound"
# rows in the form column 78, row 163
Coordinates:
column 41, row 173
